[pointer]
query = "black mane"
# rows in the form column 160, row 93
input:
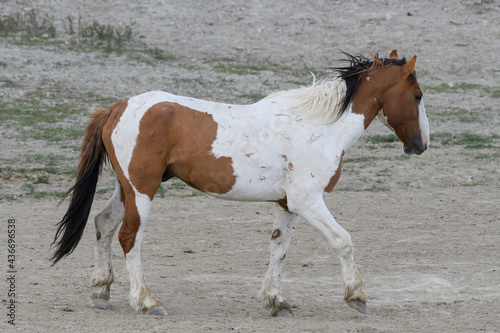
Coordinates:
column 358, row 66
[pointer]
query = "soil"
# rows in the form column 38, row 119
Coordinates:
column 425, row 229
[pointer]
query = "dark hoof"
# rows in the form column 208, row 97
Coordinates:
column 284, row 313
column 157, row 311
column 282, row 310
column 357, row 305
column 102, row 304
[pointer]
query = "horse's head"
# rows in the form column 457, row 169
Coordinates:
column 402, row 107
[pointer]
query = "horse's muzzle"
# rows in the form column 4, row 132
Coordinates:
column 416, row 146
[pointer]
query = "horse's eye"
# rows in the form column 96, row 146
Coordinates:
column 418, row 98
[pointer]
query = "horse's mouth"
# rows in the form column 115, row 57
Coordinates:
column 415, row 149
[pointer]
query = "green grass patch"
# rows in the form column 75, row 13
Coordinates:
column 31, row 24
column 28, row 188
column 254, row 97
column 462, row 87
column 159, row 55
column 41, row 180
column 468, row 140
column 33, row 112
column 49, row 159
column 105, row 101
column 9, row 197
column 382, row 138
column 52, row 134
column 161, row 192
column 8, row 83
column 363, row 159
column 383, row 173
column 472, row 184
column 460, row 114
column 486, row 156
column 98, row 34
column 42, row 194
column 445, row 87
column 177, row 185
column 33, row 119
column 51, row 170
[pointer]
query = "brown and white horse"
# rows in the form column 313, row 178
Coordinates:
column 286, row 149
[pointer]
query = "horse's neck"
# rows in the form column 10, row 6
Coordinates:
column 348, row 129
column 369, row 95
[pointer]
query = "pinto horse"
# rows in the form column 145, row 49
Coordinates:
column 286, row 149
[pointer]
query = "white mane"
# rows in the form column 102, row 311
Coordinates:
column 322, row 101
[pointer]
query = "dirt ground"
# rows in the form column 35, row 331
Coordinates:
column 425, row 229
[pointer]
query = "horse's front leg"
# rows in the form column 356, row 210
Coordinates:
column 318, row 215
column 284, row 225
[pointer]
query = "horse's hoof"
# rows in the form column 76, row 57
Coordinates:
column 282, row 309
column 284, row 313
column 102, row 304
column 357, row 305
column 157, row 311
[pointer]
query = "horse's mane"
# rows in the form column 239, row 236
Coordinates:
column 328, row 99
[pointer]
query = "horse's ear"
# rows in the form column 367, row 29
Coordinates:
column 409, row 67
column 394, row 55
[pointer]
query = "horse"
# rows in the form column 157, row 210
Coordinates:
column 286, row 149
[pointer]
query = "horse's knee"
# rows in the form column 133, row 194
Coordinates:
column 345, row 243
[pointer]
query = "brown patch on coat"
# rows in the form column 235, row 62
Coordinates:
column 276, row 234
column 283, row 204
column 181, row 144
column 290, row 166
column 98, row 235
column 131, row 222
column 335, row 178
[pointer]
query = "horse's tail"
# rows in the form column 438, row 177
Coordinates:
column 92, row 156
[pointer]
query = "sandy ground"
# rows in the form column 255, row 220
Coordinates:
column 426, row 245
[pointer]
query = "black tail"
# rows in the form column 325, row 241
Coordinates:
column 70, row 229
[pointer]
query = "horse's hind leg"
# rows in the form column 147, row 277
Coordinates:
column 284, row 225
column 137, row 207
column 106, row 224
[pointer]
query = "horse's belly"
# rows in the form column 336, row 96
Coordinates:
column 252, row 192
